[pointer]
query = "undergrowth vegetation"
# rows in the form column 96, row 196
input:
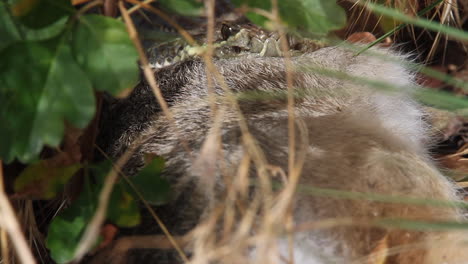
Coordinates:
column 58, row 57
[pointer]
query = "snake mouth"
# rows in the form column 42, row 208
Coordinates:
column 234, row 42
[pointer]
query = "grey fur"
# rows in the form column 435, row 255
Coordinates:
column 357, row 139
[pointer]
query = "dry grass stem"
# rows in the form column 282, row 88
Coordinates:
column 137, row 7
column 5, row 251
column 9, row 223
column 88, row 6
column 445, row 17
column 237, row 238
column 79, row 2
column 91, row 233
column 148, row 73
column 150, row 241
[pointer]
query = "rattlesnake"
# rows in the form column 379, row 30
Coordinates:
column 233, row 39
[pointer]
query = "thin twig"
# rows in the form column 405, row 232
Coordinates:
column 149, row 75
column 110, row 8
column 294, row 171
column 396, row 29
column 88, row 6
column 138, row 6
column 169, row 20
column 79, row 2
column 92, row 230
column 5, row 251
column 157, row 92
column 163, row 227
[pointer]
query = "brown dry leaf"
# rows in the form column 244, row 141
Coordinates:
column 71, row 151
column 43, row 179
column 431, row 82
column 361, row 37
column 108, row 233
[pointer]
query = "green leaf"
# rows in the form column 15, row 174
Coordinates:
column 43, row 182
column 8, row 31
column 184, row 7
column 66, row 229
column 41, row 85
column 148, row 182
column 45, row 33
column 40, row 13
column 104, row 50
column 123, row 208
column 43, row 24
column 316, row 17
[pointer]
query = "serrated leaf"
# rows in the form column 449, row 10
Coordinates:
column 43, row 182
column 148, row 182
column 316, row 17
column 184, row 7
column 41, row 85
column 105, row 52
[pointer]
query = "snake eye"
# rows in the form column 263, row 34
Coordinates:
column 227, row 31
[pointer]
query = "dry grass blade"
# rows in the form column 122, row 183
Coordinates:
column 289, row 82
column 446, row 17
column 154, row 86
column 79, row 2
column 5, row 253
column 89, row 6
column 158, row 241
column 427, row 24
column 138, row 6
column 92, row 230
column 398, row 28
column 148, row 72
column 11, row 226
column 457, row 161
column 249, row 142
column 236, row 237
